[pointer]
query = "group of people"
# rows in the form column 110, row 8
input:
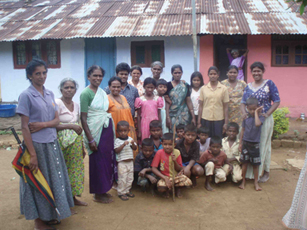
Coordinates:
column 127, row 129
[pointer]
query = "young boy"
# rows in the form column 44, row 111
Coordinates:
column 130, row 92
column 170, row 163
column 215, row 162
column 161, row 90
column 123, row 147
column 179, row 132
column 142, row 165
column 204, row 139
column 189, row 150
column 249, row 141
column 155, row 128
column 231, row 148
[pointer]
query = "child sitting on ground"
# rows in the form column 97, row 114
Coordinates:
column 189, row 150
column 249, row 141
column 155, row 128
column 215, row 162
column 123, row 147
column 231, row 148
column 179, row 132
column 142, row 165
column 170, row 163
column 204, row 139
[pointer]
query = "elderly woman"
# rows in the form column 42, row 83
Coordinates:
column 70, row 138
column 39, row 119
column 237, row 60
column 98, row 136
column 156, row 69
column 266, row 92
column 181, row 110
column 235, row 90
column 213, row 105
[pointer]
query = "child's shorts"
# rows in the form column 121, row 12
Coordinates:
column 250, row 153
column 186, row 164
column 143, row 181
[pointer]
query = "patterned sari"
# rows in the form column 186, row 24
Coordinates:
column 179, row 111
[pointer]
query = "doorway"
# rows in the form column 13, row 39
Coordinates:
column 221, row 43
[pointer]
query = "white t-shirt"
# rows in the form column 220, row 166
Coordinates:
column 194, row 99
column 126, row 153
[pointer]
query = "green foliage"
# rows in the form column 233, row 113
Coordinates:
column 4, row 132
column 281, row 122
column 302, row 2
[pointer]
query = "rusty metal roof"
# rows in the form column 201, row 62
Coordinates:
column 65, row 19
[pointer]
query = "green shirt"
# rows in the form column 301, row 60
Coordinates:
column 86, row 99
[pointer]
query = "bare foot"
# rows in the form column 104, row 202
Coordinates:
column 194, row 183
column 102, row 198
column 79, row 202
column 40, row 225
column 178, row 193
column 242, row 185
column 257, row 187
column 208, row 187
column 73, row 212
column 265, row 177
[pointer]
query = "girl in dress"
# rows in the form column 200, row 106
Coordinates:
column 197, row 82
column 148, row 108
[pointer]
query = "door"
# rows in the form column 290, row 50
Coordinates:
column 221, row 43
column 102, row 52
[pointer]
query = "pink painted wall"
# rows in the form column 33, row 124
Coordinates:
column 290, row 81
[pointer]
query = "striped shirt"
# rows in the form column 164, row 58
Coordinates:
column 126, row 153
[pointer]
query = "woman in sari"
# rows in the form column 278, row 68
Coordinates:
column 70, row 138
column 181, row 110
column 39, row 117
column 266, row 92
column 98, row 136
column 119, row 108
column 235, row 90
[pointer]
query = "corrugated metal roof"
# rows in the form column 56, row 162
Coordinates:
column 64, row 19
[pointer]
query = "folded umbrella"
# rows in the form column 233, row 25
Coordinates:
column 36, row 180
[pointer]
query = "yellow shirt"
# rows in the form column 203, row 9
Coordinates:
column 232, row 151
column 213, row 100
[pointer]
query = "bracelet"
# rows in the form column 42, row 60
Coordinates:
column 92, row 141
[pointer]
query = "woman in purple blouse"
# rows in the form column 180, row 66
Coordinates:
column 266, row 92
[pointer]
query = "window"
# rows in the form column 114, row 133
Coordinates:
column 145, row 53
column 47, row 50
column 289, row 50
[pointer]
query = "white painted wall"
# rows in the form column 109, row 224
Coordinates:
column 13, row 81
column 178, row 50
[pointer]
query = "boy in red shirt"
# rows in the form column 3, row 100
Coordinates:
column 169, row 163
column 215, row 162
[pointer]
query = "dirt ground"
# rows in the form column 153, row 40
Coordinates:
column 226, row 208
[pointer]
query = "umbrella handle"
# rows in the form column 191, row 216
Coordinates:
column 15, row 135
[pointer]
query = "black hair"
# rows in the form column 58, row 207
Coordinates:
column 122, row 123
column 204, row 130
column 161, row 82
column 137, row 68
column 122, row 67
column 180, row 126
column 234, row 125
column 148, row 142
column 252, row 101
column 215, row 140
column 155, row 124
column 213, row 68
column 91, row 69
column 167, row 137
column 175, row 67
column 197, row 74
column 148, row 81
column 190, row 128
column 232, row 67
column 257, row 64
column 114, row 79
column 32, row 66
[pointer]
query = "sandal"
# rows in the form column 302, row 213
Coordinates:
column 130, row 194
column 53, row 222
column 123, row 197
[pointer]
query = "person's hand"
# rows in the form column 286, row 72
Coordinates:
column 259, row 110
column 186, row 170
column 169, row 123
column 93, row 146
column 265, row 115
column 173, row 157
column 35, row 126
column 240, row 147
column 168, row 182
column 230, row 168
column 142, row 173
column 194, row 121
column 244, row 115
column 126, row 143
column 181, row 172
column 213, row 160
column 33, row 165
column 199, row 125
column 224, row 128
column 77, row 129
column 152, row 179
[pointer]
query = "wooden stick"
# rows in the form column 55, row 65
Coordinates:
column 173, row 164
